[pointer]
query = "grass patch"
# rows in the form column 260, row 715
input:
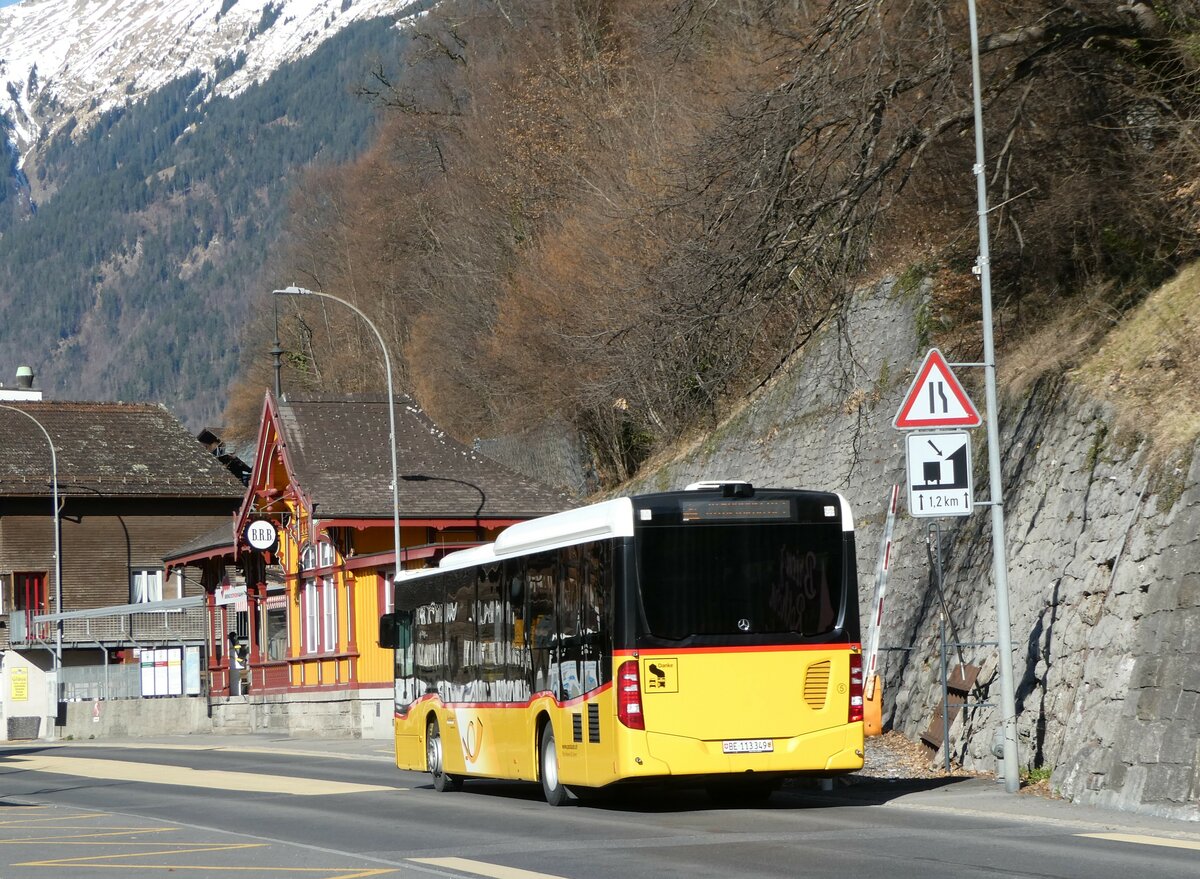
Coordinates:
column 1035, row 774
column 1144, row 362
column 1062, row 341
column 1148, row 367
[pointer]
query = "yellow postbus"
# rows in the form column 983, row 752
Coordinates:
column 709, row 635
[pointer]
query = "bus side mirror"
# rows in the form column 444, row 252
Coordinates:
column 388, row 631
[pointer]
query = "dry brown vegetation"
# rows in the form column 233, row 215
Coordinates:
column 628, row 213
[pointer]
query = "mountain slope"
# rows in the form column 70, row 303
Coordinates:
column 135, row 274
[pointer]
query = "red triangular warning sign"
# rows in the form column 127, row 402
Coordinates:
column 936, row 399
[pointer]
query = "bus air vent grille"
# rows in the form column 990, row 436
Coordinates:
column 816, row 685
column 577, row 727
column 593, row 722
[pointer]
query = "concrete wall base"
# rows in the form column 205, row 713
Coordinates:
column 365, row 714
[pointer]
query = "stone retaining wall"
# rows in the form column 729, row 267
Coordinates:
column 1104, row 560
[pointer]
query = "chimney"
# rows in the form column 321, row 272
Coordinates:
column 24, row 390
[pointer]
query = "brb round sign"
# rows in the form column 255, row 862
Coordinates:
column 261, row 535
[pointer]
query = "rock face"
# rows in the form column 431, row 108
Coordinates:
column 1103, row 560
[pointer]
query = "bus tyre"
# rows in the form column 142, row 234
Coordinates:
column 434, row 761
column 556, row 792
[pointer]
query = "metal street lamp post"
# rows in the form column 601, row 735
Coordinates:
column 1008, row 713
column 57, row 539
column 387, row 365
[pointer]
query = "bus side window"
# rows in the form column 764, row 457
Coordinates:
column 462, row 633
column 596, row 625
column 570, row 630
column 490, row 626
column 540, row 619
column 518, row 672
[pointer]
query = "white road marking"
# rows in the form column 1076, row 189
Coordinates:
column 119, row 770
column 1139, row 839
column 482, row 868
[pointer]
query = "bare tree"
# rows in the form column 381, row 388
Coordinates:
column 628, row 214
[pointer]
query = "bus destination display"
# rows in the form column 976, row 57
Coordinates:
column 736, row 510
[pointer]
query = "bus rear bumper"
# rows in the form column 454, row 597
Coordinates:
column 833, row 751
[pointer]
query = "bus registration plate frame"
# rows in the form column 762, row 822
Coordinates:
column 748, row 746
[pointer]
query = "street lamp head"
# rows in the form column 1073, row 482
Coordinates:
column 293, row 291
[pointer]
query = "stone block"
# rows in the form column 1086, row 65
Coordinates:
column 1166, row 783
column 1194, row 790
column 1187, row 712
column 1191, row 678
column 1129, row 795
column 1116, row 775
column 1149, row 742
column 1162, row 595
column 1178, row 745
column 1189, row 631
column 1145, row 672
column 1150, row 703
column 1189, row 591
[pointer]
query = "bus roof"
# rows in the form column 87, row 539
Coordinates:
column 612, row 518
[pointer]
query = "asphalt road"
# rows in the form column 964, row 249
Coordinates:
column 257, row 806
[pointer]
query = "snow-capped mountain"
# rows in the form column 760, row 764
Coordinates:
column 132, row 254
column 78, row 58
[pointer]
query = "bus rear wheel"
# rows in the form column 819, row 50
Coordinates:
column 556, row 792
column 434, row 760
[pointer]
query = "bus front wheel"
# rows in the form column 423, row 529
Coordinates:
column 556, row 792
column 434, row 760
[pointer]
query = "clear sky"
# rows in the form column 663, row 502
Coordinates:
column 8, row 2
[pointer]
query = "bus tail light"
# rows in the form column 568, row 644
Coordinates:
column 629, row 696
column 856, row 688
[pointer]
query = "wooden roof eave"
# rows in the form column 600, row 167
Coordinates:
column 439, row 523
column 201, row 555
column 270, row 441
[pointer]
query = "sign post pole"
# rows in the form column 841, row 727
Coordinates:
column 939, row 476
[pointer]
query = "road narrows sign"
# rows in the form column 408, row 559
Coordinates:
column 936, row 398
column 939, row 474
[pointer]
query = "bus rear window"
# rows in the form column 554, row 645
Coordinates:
column 731, row 579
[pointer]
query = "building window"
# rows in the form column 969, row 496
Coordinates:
column 277, row 627
column 329, row 613
column 312, row 618
column 145, row 585
column 320, row 600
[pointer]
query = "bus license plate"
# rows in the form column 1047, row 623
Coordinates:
column 747, row 746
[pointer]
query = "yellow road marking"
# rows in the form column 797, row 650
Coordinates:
column 480, row 868
column 36, row 820
column 1137, row 839
column 132, row 860
column 127, row 862
column 67, row 840
column 179, row 849
column 119, row 770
